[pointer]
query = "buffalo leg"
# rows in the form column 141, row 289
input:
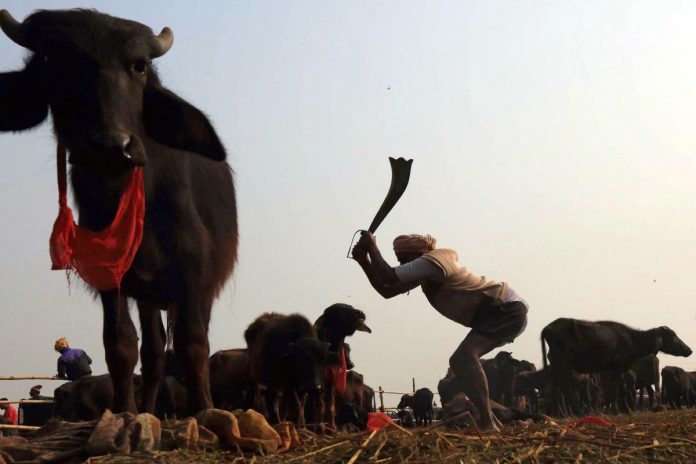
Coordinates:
column 651, row 396
column 296, row 407
column 272, row 405
column 330, row 405
column 192, row 350
column 318, row 406
column 561, row 391
column 585, row 398
column 151, row 353
column 121, row 349
column 624, row 405
column 616, row 394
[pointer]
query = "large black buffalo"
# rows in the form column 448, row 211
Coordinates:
column 602, row 347
column 95, row 74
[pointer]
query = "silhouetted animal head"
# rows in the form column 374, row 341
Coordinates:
column 95, row 73
column 671, row 344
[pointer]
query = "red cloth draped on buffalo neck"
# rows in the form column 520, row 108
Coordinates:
column 101, row 258
column 338, row 373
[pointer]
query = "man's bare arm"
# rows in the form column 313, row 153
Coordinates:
column 380, row 274
column 386, row 289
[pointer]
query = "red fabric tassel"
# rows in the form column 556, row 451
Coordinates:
column 100, row 258
column 378, row 421
column 338, row 374
column 595, row 420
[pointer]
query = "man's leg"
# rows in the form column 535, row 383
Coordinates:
column 466, row 365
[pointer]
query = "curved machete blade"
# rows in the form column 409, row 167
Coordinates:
column 401, row 172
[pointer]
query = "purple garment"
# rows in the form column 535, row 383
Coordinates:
column 70, row 355
column 73, row 363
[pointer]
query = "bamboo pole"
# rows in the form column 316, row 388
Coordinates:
column 395, row 393
column 401, row 393
column 18, row 427
column 31, row 377
column 28, row 402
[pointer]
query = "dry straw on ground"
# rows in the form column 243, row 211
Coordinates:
column 639, row 438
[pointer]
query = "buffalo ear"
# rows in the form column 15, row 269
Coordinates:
column 172, row 121
column 23, row 103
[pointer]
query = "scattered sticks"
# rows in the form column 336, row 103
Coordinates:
column 642, row 438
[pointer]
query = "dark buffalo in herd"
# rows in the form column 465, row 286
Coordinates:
column 501, row 372
column 421, row 403
column 288, row 359
column 111, row 113
column 678, row 387
column 230, row 380
column 647, row 370
column 337, row 322
column 604, row 347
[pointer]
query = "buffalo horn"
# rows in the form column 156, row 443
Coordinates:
column 13, row 29
column 362, row 327
column 164, row 42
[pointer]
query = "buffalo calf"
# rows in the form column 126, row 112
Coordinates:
column 288, row 359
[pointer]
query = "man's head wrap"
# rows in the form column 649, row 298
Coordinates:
column 35, row 390
column 414, row 243
column 60, row 344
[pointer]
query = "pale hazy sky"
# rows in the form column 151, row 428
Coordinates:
column 554, row 147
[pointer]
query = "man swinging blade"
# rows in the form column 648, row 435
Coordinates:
column 493, row 310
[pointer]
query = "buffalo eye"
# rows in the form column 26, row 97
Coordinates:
column 140, row 67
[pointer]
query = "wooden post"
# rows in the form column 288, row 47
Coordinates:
column 413, row 380
column 381, row 399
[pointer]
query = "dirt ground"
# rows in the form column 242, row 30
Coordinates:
column 643, row 437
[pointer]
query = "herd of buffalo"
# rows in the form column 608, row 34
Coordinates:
column 292, row 369
column 111, row 113
column 589, row 367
